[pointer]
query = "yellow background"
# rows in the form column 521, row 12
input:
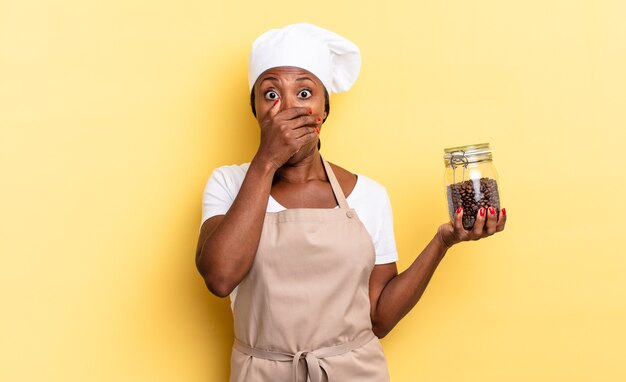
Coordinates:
column 114, row 113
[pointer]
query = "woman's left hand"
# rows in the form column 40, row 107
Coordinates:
column 487, row 223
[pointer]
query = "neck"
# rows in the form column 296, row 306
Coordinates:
column 307, row 169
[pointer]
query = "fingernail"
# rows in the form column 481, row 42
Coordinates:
column 492, row 210
column 482, row 212
column 319, row 119
column 276, row 102
column 504, row 212
column 310, row 111
column 318, row 130
column 458, row 210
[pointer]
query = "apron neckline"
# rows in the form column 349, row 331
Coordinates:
column 342, row 200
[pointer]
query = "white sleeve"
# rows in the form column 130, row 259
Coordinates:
column 384, row 239
column 220, row 190
column 369, row 198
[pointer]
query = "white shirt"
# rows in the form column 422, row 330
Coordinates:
column 368, row 198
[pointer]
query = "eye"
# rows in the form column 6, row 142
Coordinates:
column 304, row 93
column 271, row 95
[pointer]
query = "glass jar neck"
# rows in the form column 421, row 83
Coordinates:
column 464, row 155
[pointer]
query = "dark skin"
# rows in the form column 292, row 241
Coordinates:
column 289, row 105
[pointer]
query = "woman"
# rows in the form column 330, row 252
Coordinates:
column 312, row 278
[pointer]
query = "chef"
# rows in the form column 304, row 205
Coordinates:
column 305, row 248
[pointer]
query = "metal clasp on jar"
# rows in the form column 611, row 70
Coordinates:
column 456, row 160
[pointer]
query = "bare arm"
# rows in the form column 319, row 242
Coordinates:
column 228, row 243
column 393, row 295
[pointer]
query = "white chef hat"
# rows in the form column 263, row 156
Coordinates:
column 333, row 59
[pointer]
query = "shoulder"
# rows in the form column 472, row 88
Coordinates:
column 230, row 174
column 233, row 171
column 360, row 187
column 346, row 179
column 370, row 193
column 221, row 189
column 227, row 178
column 370, row 186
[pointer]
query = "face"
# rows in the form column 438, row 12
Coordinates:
column 296, row 87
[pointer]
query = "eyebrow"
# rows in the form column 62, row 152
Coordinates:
column 276, row 79
column 269, row 79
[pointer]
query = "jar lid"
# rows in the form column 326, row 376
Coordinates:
column 469, row 154
column 469, row 149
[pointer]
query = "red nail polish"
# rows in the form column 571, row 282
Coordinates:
column 318, row 130
column 275, row 102
column 492, row 210
column 482, row 212
column 310, row 111
column 319, row 119
column 504, row 212
column 458, row 210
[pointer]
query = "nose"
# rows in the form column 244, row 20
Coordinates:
column 289, row 101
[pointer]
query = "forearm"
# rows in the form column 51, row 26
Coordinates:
column 404, row 290
column 228, row 253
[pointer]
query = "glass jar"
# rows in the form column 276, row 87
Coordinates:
column 471, row 181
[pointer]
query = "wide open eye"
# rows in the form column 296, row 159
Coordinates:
column 271, row 95
column 304, row 93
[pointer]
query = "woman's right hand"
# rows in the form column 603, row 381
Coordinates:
column 285, row 132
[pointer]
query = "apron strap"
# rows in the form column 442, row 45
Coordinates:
column 341, row 198
column 314, row 369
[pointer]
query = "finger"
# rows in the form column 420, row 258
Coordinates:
column 272, row 112
column 295, row 112
column 306, row 121
column 492, row 220
column 458, row 220
column 501, row 221
column 479, row 224
column 308, row 133
column 303, row 131
column 274, row 109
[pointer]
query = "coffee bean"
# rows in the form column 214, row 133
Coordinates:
column 462, row 194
